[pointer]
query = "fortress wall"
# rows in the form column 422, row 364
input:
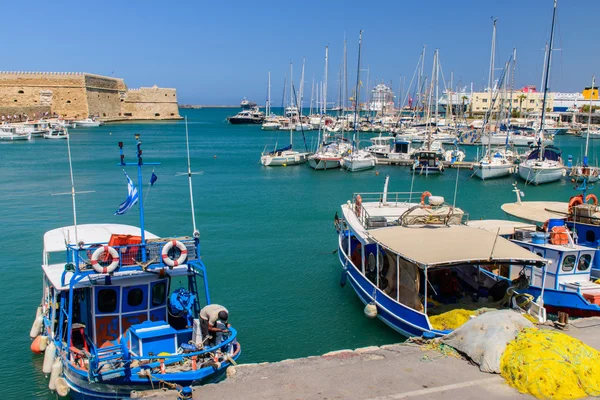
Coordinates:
column 104, row 96
column 64, row 93
column 150, row 103
column 78, row 95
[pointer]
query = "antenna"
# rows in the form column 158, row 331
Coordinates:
column 189, row 173
column 72, row 192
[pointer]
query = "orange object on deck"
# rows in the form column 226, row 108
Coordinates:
column 592, row 298
column 559, row 235
column 129, row 256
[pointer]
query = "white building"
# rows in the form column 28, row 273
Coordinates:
column 382, row 99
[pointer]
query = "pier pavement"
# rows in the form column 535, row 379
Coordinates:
column 391, row 372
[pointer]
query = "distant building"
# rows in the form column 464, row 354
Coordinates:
column 74, row 95
column 382, row 99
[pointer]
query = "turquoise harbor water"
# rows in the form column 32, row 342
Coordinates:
column 267, row 233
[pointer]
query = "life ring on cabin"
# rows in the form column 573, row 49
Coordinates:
column 593, row 197
column 358, row 205
column 575, row 201
column 100, row 251
column 423, row 196
column 165, row 253
column 559, row 235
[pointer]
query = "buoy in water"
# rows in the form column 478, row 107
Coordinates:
column 49, row 357
column 370, row 310
column 36, row 328
column 215, row 156
column 62, row 389
column 376, row 173
column 285, row 165
column 37, row 344
column 56, row 372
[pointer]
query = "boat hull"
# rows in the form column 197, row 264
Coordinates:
column 537, row 175
column 322, row 164
column 485, row 172
column 355, row 165
column 285, row 160
column 244, row 121
column 402, row 319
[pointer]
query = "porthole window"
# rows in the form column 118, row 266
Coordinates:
column 569, row 263
column 584, row 262
column 590, row 236
column 159, row 294
column 135, row 297
column 107, row 300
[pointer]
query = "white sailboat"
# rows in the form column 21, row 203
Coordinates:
column 271, row 122
column 544, row 163
column 584, row 171
column 357, row 159
column 284, row 156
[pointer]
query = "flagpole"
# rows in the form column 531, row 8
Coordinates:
column 139, row 164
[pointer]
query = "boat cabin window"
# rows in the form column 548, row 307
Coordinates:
column 159, row 294
column 590, row 236
column 107, row 300
column 135, row 297
column 584, row 262
column 569, row 263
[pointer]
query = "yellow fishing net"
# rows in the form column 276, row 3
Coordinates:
column 551, row 365
column 451, row 319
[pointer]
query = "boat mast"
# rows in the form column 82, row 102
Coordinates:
column 356, row 93
column 189, row 173
column 491, row 76
column 312, row 95
column 268, row 110
column 73, row 188
column 324, row 96
column 345, row 77
column 437, row 86
column 587, row 138
column 301, row 92
column 546, row 78
column 291, row 102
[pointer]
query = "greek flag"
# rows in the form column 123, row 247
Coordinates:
column 132, row 197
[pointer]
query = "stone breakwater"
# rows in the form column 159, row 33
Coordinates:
column 74, row 95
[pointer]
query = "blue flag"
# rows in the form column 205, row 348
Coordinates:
column 153, row 179
column 132, row 197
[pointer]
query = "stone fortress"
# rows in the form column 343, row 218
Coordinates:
column 76, row 95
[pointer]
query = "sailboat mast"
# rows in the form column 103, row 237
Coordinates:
column 345, row 77
column 437, row 85
column 325, row 83
column 356, row 92
column 492, row 60
column 587, row 138
column 301, row 92
column 546, row 78
column 268, row 110
column 291, row 109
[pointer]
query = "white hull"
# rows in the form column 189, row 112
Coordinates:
column 285, row 159
column 55, row 136
column 487, row 171
column 322, row 164
column 537, row 174
column 270, row 127
column 358, row 164
column 13, row 137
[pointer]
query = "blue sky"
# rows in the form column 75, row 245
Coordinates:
column 218, row 52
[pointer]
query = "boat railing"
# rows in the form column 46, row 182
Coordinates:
column 82, row 258
column 115, row 361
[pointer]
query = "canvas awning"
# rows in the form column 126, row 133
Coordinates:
column 429, row 246
column 500, row 226
column 537, row 211
column 56, row 239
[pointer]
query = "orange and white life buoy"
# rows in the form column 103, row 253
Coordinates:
column 165, row 253
column 593, row 197
column 559, row 235
column 575, row 201
column 99, row 252
column 358, row 205
column 423, row 196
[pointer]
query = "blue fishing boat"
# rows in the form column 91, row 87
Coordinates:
column 396, row 252
column 111, row 323
column 564, row 284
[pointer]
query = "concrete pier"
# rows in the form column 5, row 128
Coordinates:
column 400, row 371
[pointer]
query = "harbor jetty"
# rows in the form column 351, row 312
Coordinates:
column 397, row 371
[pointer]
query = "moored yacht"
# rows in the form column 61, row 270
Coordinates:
column 495, row 164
